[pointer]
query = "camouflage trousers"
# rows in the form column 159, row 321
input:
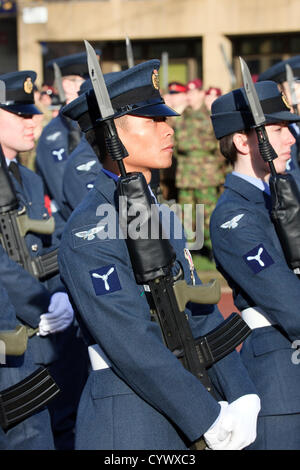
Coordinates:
column 206, row 196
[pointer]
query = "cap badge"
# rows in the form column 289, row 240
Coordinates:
column 28, row 85
column 284, row 99
column 155, row 79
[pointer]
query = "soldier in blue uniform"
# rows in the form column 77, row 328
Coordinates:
column 60, row 137
column 34, row 433
column 138, row 395
column 80, row 173
column 83, row 165
column 40, row 304
column 248, row 253
column 277, row 73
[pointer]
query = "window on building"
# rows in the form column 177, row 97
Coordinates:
column 261, row 52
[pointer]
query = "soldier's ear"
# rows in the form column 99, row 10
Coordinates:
column 240, row 141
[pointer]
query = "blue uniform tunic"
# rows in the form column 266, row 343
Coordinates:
column 248, row 253
column 35, row 432
column 64, row 353
column 144, row 399
column 80, row 173
column 51, row 156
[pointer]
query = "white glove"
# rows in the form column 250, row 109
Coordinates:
column 236, row 427
column 59, row 316
column 217, row 436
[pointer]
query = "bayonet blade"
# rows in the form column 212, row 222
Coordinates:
column 2, row 91
column 129, row 53
column 58, row 83
column 229, row 66
column 98, row 83
column 291, row 81
column 255, row 106
column 165, row 70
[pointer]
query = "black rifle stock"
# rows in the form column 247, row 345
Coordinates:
column 15, row 224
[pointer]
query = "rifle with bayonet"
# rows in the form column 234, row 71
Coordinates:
column 129, row 53
column 15, row 224
column 153, row 259
column 285, row 195
column 165, row 70
column 228, row 66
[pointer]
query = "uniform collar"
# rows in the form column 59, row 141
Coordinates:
column 260, row 184
column 246, row 189
column 110, row 174
column 115, row 177
column 106, row 186
column 8, row 161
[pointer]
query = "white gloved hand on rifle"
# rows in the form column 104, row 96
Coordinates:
column 235, row 427
column 59, row 316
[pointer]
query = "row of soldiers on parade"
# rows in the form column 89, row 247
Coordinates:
column 111, row 341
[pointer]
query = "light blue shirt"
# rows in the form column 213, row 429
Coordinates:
column 8, row 161
column 262, row 185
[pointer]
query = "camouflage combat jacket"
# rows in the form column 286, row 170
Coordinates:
column 199, row 161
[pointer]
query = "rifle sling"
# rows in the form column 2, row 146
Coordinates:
column 26, row 397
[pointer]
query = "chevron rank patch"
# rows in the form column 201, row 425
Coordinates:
column 258, row 259
column 105, row 280
column 59, row 155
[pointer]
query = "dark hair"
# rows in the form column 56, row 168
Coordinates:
column 96, row 139
column 228, row 148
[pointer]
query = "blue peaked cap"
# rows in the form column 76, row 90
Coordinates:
column 277, row 72
column 132, row 91
column 16, row 92
column 231, row 112
column 73, row 64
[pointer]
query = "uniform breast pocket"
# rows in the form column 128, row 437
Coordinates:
column 106, row 384
column 273, row 371
column 268, row 341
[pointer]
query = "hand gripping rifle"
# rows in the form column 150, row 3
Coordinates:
column 152, row 261
column 285, row 195
column 15, row 224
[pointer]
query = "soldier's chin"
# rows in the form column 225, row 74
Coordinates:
column 27, row 147
column 166, row 162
